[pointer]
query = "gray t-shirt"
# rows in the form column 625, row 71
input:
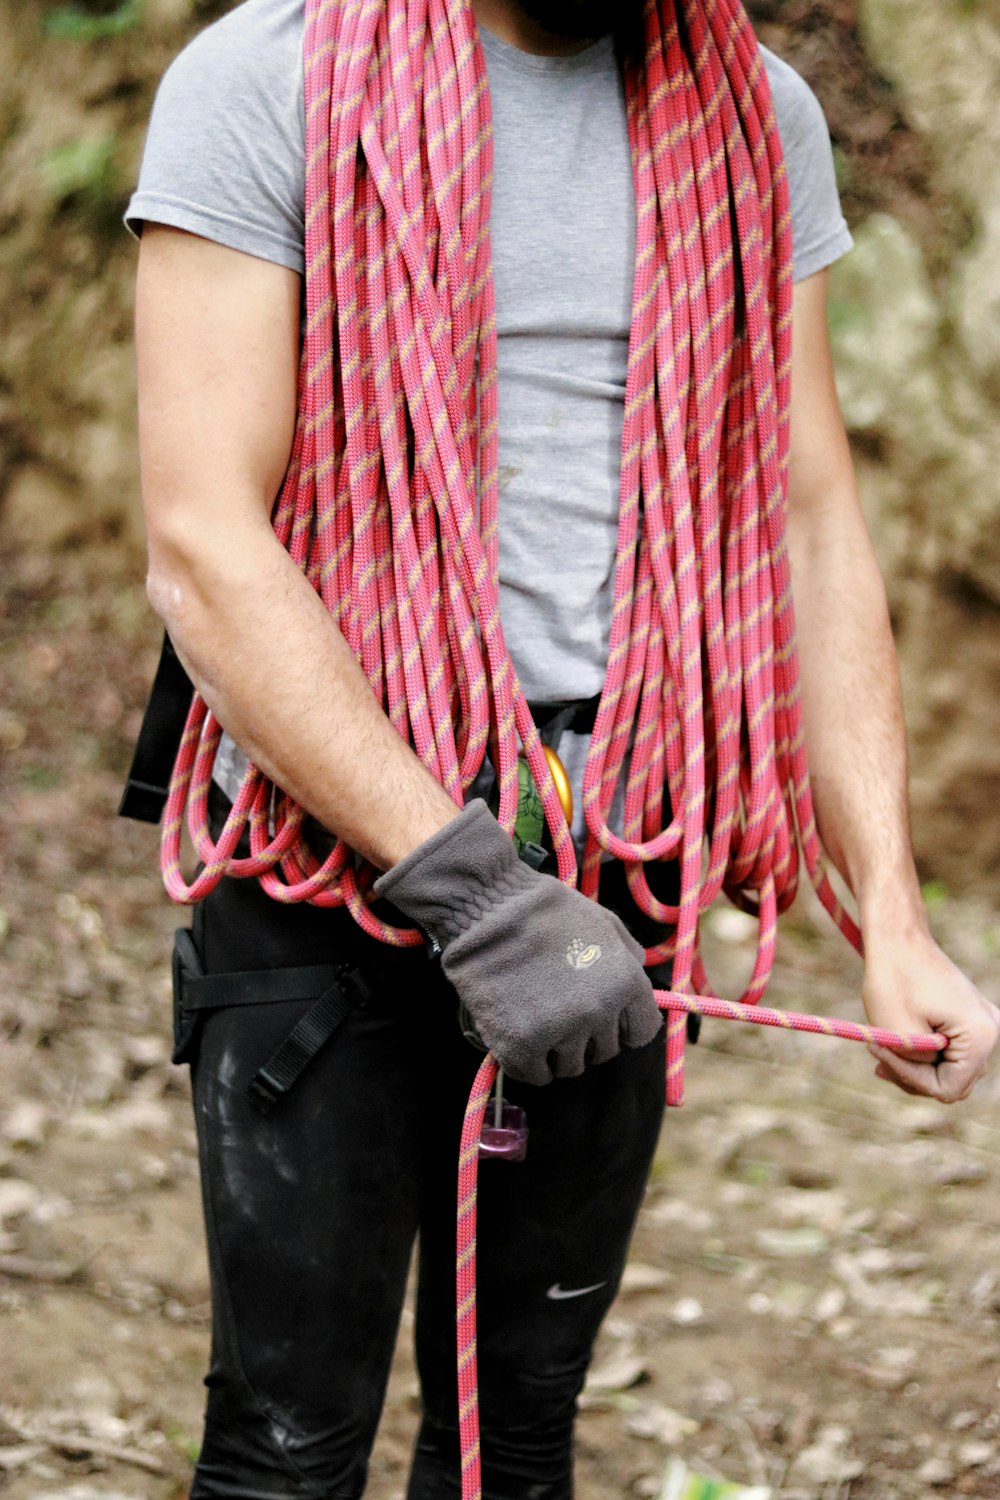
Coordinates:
column 225, row 159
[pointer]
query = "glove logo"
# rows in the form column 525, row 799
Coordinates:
column 580, row 955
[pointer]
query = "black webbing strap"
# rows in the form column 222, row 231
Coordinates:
column 340, row 987
column 552, row 720
column 148, row 784
column 258, row 986
column 271, row 1082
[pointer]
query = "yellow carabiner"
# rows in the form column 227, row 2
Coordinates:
column 559, row 776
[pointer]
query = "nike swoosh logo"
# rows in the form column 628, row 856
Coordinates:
column 557, row 1293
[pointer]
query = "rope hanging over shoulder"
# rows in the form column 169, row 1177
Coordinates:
column 389, row 505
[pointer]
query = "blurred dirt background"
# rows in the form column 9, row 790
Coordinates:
column 814, row 1300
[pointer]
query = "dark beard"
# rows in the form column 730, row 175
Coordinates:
column 586, row 20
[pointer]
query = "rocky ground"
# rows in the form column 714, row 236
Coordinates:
column 814, row 1299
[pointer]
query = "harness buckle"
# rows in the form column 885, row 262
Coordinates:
column 271, row 1082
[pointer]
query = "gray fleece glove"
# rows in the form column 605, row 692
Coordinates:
column 552, row 980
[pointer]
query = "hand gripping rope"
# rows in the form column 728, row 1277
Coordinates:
column 471, row 1149
column 389, row 505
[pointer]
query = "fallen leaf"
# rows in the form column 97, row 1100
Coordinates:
column 936, row 1471
column 830, row 1304
column 26, row 1124
column 922, row 1118
column 959, row 1173
column 662, row 1423
column 16, row 1197
column 642, row 1278
column 134, row 1116
column 791, row 1298
column 732, row 926
column 826, row 1210
column 81, row 1492
column 622, row 1370
column 891, row 1368
column 791, row 1243
column 973, row 1454
column 16, row 1458
column 145, row 1052
column 827, row 1460
column 717, row 1391
column 621, row 1328
column 22, row 1268
column 676, row 1211
column 885, row 1297
column 647, row 1486
column 686, row 1312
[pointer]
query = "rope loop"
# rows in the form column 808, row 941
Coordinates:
column 390, row 502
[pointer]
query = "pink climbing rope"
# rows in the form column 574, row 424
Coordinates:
column 389, row 505
column 468, row 1182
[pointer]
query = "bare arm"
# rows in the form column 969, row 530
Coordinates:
column 858, row 757
column 854, row 729
column 217, row 349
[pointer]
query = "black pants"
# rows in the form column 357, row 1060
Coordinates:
column 311, row 1214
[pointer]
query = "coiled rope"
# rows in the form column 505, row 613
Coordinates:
column 395, row 457
column 389, row 505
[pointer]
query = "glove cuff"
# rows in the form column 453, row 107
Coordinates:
column 457, row 875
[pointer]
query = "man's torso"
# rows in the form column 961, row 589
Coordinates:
column 225, row 158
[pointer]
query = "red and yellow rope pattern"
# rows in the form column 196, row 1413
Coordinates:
column 389, row 505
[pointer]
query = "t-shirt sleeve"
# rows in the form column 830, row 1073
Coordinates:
column 225, row 152
column 819, row 230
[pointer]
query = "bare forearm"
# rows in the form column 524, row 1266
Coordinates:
column 853, row 712
column 854, row 731
column 279, row 676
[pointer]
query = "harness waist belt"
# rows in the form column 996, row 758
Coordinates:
column 571, row 716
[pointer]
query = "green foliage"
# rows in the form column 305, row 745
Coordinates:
column 659, row 1172
column 758, row 1173
column 936, row 894
column 77, row 24
column 41, row 778
column 844, row 315
column 82, row 167
column 990, row 938
column 189, row 1446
